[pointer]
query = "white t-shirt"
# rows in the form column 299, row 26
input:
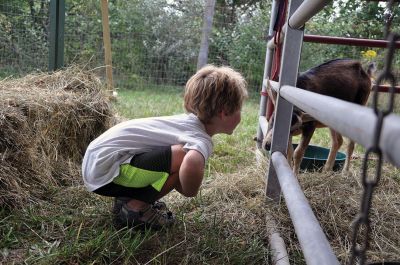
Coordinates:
column 120, row 143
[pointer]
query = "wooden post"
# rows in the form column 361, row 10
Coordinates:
column 107, row 44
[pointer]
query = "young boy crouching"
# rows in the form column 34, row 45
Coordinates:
column 140, row 161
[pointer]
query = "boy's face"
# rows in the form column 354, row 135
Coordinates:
column 230, row 121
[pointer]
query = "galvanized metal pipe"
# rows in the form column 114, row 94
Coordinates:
column 269, row 53
column 381, row 88
column 302, row 14
column 277, row 245
column 351, row 120
column 267, row 71
column 263, row 124
column 314, row 244
column 274, row 85
column 283, row 110
column 305, row 12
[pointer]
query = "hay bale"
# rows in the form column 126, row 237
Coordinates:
column 47, row 121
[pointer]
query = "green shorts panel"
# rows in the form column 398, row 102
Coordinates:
column 134, row 177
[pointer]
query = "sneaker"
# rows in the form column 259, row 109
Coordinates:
column 149, row 218
column 119, row 201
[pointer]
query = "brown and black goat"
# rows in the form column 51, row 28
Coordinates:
column 344, row 79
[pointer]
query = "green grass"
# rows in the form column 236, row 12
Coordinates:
column 152, row 101
column 230, row 152
column 73, row 226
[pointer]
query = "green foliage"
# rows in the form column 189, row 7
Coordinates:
column 244, row 46
column 158, row 41
column 23, row 35
column 355, row 19
column 83, row 33
column 241, row 43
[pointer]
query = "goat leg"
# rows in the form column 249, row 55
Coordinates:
column 306, row 134
column 337, row 141
column 350, row 149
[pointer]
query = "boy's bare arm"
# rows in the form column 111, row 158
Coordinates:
column 191, row 173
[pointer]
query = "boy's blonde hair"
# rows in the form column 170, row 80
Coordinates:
column 213, row 89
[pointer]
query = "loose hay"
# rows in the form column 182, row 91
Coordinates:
column 237, row 202
column 335, row 200
column 47, row 121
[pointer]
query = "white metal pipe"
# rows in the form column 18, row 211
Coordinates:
column 263, row 124
column 302, row 14
column 269, row 53
column 351, row 120
column 314, row 244
column 267, row 70
column 276, row 242
column 291, row 50
column 305, row 12
column 274, row 85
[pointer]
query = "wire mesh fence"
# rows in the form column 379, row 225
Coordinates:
column 153, row 42
column 158, row 41
column 23, row 37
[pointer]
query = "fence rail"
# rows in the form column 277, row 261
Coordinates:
column 305, row 12
column 315, row 246
column 347, row 41
column 351, row 120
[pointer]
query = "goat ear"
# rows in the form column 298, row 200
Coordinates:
column 305, row 117
column 271, row 94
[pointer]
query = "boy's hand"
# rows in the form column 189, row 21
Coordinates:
column 191, row 173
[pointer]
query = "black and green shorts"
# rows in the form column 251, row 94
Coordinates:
column 143, row 178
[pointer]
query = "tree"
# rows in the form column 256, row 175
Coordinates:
column 208, row 18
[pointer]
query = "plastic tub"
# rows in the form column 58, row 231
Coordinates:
column 316, row 156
